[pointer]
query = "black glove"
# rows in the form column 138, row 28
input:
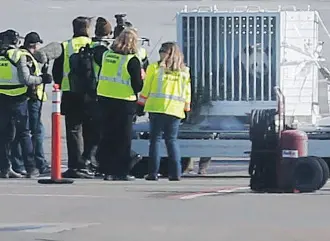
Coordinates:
column 47, row 78
column 140, row 110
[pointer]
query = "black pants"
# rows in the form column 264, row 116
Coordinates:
column 14, row 124
column 114, row 152
column 82, row 135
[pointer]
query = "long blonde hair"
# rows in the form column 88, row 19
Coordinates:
column 126, row 42
column 173, row 59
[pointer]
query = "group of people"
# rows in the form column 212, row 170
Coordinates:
column 98, row 124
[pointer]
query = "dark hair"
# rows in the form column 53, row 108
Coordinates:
column 81, row 25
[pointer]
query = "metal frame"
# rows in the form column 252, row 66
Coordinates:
column 223, row 148
column 225, row 107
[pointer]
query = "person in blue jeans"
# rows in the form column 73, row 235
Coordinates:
column 36, row 96
column 38, row 134
column 166, row 96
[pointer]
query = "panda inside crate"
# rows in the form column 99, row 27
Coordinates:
column 241, row 64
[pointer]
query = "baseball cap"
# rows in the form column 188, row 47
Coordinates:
column 32, row 38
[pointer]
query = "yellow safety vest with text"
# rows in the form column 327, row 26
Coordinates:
column 167, row 93
column 95, row 65
column 70, row 47
column 8, row 73
column 114, row 80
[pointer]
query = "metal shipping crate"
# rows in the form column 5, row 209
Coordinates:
column 237, row 57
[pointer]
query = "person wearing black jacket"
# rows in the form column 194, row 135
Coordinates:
column 78, row 126
column 118, row 86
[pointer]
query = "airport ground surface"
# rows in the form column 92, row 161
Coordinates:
column 193, row 209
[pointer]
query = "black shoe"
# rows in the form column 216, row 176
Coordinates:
column 34, row 173
column 174, row 178
column 98, row 174
column 13, row 174
column 78, row 173
column 84, row 173
column 45, row 170
column 123, row 178
column 22, row 172
column 151, row 178
column 70, row 173
column 107, row 178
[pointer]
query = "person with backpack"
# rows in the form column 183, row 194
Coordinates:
column 78, row 127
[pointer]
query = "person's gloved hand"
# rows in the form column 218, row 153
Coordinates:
column 140, row 110
column 47, row 78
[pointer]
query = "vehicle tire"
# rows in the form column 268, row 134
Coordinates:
column 307, row 175
column 141, row 168
column 325, row 169
column 163, row 169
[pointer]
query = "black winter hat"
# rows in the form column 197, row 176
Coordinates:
column 103, row 27
column 81, row 25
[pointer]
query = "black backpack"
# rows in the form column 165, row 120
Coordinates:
column 82, row 76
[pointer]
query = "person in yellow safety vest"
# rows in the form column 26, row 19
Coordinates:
column 118, row 86
column 79, row 129
column 36, row 96
column 103, row 30
column 16, row 74
column 166, row 96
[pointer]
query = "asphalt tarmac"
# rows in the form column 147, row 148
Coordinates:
column 193, row 209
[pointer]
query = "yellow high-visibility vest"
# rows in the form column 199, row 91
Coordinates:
column 95, row 65
column 41, row 95
column 167, row 93
column 8, row 72
column 70, row 47
column 114, row 80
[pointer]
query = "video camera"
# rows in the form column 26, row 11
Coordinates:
column 121, row 24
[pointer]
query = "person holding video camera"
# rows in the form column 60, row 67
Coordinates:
column 18, row 70
column 142, row 55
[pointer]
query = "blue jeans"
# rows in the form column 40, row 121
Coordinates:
column 160, row 123
column 14, row 125
column 38, row 134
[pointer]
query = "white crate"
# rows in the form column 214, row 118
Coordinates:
column 236, row 58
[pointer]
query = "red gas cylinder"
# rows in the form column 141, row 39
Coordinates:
column 294, row 143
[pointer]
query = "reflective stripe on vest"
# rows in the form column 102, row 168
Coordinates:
column 124, row 90
column 160, row 94
column 68, row 51
column 9, row 76
column 118, row 78
column 40, row 93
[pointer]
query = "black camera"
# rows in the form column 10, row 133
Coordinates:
column 122, row 23
column 120, row 19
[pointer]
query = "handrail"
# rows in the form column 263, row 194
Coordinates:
column 280, row 107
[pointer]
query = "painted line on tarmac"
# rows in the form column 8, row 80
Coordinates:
column 49, row 195
column 210, row 193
